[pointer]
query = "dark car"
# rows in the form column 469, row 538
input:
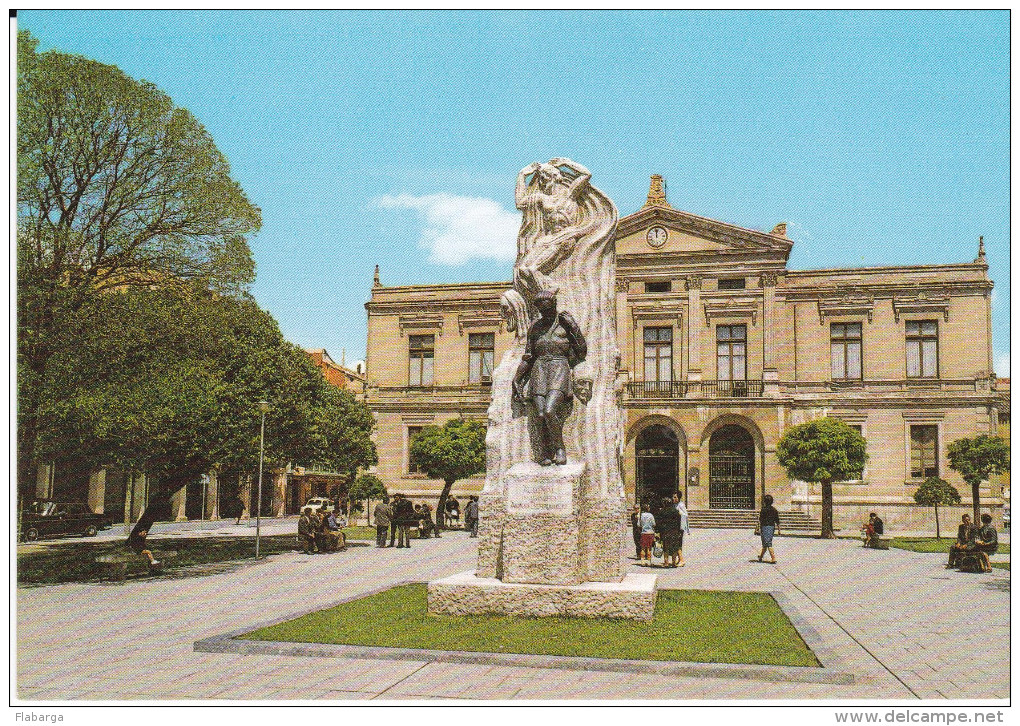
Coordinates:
column 45, row 518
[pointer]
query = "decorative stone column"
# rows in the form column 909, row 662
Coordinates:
column 770, row 374
column 97, row 491
column 138, row 493
column 178, row 504
column 279, row 492
column 212, row 495
column 44, row 481
column 694, row 327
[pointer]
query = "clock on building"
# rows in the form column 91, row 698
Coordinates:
column 657, row 236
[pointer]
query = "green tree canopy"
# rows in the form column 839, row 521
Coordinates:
column 117, row 187
column 823, row 451
column 933, row 492
column 976, row 459
column 168, row 381
column 366, row 488
column 453, row 451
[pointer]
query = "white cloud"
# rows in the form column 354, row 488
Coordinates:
column 459, row 229
column 1002, row 365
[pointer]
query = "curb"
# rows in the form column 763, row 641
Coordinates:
column 833, row 669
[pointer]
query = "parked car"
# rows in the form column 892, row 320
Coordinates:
column 321, row 504
column 46, row 518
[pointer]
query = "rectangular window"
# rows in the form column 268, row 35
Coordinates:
column 481, row 351
column 412, row 431
column 731, row 352
column 732, row 283
column 924, row 451
column 422, row 352
column 658, row 355
column 846, row 351
column 664, row 286
column 922, row 349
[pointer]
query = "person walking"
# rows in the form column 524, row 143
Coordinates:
column 668, row 526
column 404, row 517
column 635, row 530
column 471, row 515
column 647, row 523
column 685, row 523
column 768, row 522
column 383, row 514
column 393, row 518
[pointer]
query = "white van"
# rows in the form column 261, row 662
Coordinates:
column 320, row 504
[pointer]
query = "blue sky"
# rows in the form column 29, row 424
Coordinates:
column 395, row 137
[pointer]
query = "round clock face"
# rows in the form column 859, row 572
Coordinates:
column 657, row 236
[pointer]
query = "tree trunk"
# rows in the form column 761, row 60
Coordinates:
column 827, row 532
column 938, row 532
column 975, row 492
column 441, row 505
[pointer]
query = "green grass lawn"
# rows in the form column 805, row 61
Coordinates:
column 930, row 544
column 1000, row 565
column 689, row 625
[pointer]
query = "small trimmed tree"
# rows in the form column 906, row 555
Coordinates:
column 976, row 459
column 364, row 489
column 453, row 451
column 933, row 492
column 823, row 451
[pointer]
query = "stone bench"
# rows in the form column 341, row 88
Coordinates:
column 878, row 543
column 119, row 566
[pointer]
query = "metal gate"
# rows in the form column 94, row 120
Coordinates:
column 731, row 480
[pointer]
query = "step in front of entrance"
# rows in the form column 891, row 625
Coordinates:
column 748, row 519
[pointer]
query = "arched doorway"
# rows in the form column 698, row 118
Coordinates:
column 657, row 450
column 731, row 468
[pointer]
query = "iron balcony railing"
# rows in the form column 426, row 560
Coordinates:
column 695, row 389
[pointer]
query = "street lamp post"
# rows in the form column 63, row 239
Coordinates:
column 264, row 408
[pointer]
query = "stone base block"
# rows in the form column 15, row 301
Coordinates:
column 466, row 594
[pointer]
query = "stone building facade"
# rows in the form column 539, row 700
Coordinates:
column 724, row 348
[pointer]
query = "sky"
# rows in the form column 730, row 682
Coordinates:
column 394, row 138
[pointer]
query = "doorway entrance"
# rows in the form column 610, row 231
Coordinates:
column 658, row 463
column 731, row 468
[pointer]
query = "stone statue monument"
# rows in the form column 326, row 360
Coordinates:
column 552, row 510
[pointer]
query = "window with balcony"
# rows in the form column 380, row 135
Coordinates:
column 421, row 354
column 846, row 351
column 922, row 349
column 658, row 358
column 924, row 451
column 481, row 352
column 731, row 352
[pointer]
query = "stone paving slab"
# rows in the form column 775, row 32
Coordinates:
column 884, row 613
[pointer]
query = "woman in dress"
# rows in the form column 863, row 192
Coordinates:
column 768, row 522
column 669, row 526
column 685, row 525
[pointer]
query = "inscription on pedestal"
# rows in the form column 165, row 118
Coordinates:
column 535, row 489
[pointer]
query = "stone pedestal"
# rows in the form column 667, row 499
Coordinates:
column 465, row 594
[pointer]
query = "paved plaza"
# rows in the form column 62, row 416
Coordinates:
column 901, row 623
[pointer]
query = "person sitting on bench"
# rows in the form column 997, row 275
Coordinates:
column 964, row 538
column 986, row 543
column 873, row 530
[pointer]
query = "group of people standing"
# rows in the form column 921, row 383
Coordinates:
column 665, row 520
column 396, row 518
column 321, row 531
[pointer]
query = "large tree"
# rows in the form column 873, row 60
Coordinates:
column 823, row 451
column 976, row 459
column 168, row 382
column 117, row 187
column 453, row 451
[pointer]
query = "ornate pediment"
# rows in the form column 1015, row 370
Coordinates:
column 741, row 307
column 716, row 236
column 848, row 303
column 419, row 324
column 921, row 304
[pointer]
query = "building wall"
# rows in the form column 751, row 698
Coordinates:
column 788, row 317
